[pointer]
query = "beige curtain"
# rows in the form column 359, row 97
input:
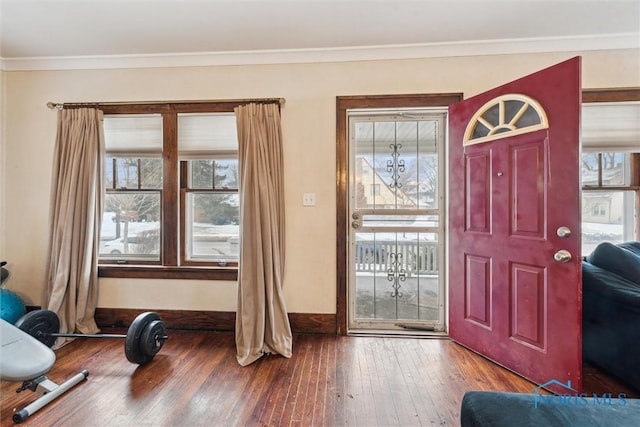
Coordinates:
column 75, row 215
column 262, row 324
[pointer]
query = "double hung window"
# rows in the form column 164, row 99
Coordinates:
column 610, row 166
column 210, row 217
column 131, row 228
column 171, row 205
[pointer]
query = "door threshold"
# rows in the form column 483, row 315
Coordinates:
column 400, row 333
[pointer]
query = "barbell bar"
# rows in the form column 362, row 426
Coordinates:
column 143, row 340
column 62, row 335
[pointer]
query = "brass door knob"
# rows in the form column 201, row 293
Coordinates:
column 562, row 256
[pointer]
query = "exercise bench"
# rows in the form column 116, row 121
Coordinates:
column 24, row 358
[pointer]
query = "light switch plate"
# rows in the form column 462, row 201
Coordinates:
column 308, row 199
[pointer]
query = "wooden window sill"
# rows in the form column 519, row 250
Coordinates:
column 163, row 272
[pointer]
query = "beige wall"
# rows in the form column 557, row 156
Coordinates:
column 309, row 134
column 2, row 164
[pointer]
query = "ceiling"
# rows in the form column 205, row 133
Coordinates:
column 40, row 33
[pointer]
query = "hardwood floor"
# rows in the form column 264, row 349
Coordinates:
column 330, row 380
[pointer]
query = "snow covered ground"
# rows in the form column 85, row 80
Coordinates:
column 593, row 227
column 208, row 240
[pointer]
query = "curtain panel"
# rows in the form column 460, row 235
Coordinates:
column 262, row 323
column 71, row 288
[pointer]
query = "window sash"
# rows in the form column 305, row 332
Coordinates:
column 128, row 236
column 606, row 169
column 608, row 216
column 223, row 250
column 210, row 242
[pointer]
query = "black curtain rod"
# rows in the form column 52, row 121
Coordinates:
column 60, row 106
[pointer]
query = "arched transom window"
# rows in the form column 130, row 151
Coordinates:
column 504, row 116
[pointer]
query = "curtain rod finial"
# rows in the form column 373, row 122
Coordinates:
column 54, row 106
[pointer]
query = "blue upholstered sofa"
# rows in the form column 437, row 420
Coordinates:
column 496, row 409
column 611, row 310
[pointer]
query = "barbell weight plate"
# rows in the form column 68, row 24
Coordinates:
column 133, row 348
column 153, row 337
column 40, row 324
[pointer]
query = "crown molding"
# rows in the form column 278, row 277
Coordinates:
column 320, row 55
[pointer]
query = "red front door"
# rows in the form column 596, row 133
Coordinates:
column 514, row 220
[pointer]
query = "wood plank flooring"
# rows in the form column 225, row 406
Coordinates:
column 330, row 380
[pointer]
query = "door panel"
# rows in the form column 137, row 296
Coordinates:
column 510, row 300
column 477, row 290
column 527, row 192
column 528, row 304
column 478, row 192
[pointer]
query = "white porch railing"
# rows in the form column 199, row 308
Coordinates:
column 413, row 257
